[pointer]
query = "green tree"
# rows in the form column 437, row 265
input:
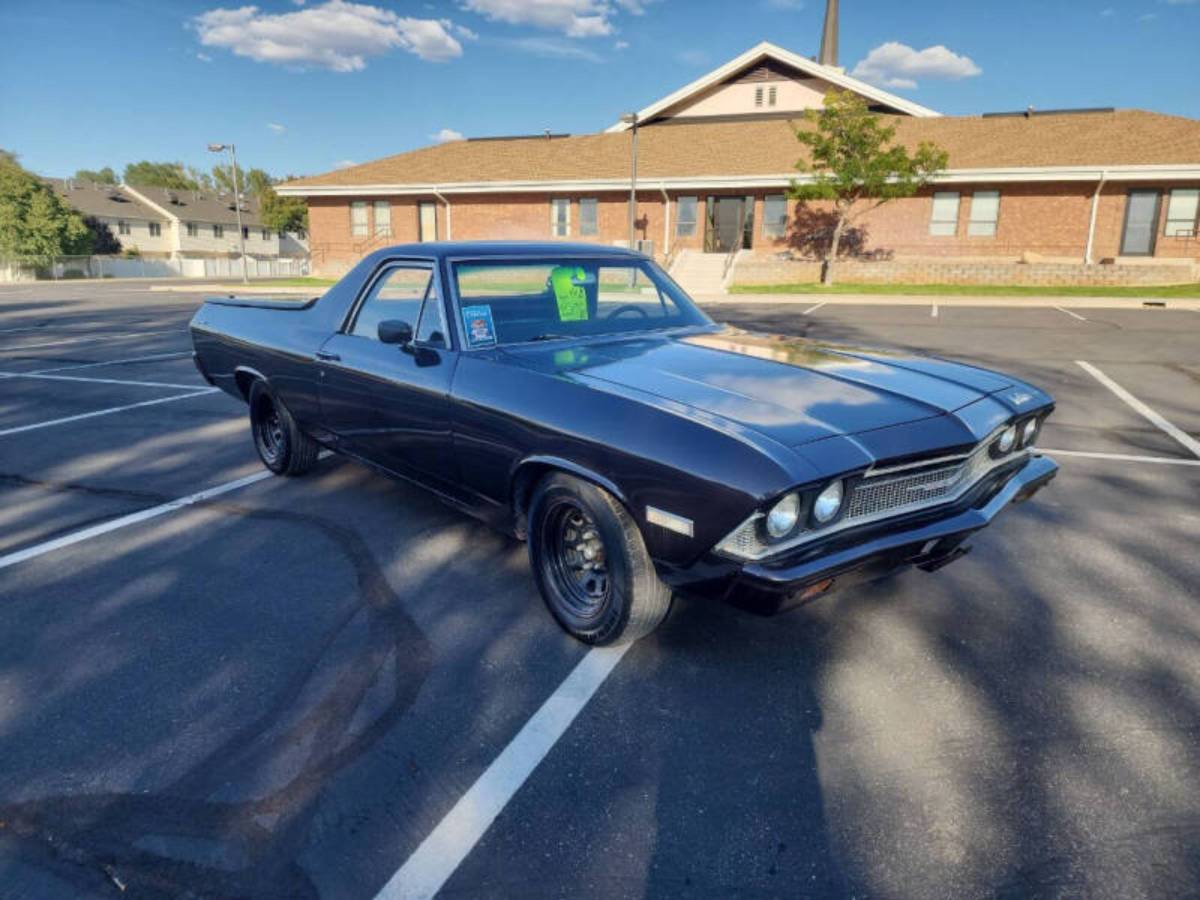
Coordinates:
column 35, row 223
column 855, row 163
column 278, row 213
column 162, row 174
column 97, row 176
column 104, row 242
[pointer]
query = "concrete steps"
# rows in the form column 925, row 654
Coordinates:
column 699, row 273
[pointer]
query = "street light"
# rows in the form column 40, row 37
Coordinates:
column 631, row 119
column 237, row 201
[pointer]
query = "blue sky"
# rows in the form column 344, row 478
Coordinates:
column 304, row 87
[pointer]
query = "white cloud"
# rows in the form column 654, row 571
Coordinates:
column 446, row 135
column 899, row 66
column 335, row 35
column 551, row 47
column 574, row 18
column 621, row 45
column 276, row 127
column 204, row 57
column 344, row 164
column 1107, row 12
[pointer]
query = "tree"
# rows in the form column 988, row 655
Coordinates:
column 162, row 174
column 855, row 164
column 278, row 213
column 97, row 176
column 104, row 242
column 35, row 223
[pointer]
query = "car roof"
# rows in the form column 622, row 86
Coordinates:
column 444, row 249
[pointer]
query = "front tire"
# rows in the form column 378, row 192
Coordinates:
column 591, row 563
column 281, row 445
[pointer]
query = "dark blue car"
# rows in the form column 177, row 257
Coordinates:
column 573, row 396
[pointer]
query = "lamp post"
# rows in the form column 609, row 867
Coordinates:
column 632, row 120
column 237, row 201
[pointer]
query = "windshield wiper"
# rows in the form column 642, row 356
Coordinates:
column 549, row 336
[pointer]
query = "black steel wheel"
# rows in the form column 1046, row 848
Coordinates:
column 591, row 563
column 281, row 445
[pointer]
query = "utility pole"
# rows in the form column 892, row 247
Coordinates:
column 237, row 202
column 632, row 119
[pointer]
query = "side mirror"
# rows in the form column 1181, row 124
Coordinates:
column 395, row 331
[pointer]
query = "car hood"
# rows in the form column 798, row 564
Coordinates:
column 794, row 390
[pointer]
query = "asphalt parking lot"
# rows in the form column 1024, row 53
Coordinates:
column 325, row 687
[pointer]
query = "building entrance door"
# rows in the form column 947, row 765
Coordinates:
column 1141, row 223
column 727, row 224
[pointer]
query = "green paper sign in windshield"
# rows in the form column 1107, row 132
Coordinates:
column 567, row 282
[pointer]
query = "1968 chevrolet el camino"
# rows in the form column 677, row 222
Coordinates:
column 575, row 397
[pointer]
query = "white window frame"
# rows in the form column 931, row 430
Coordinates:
column 1180, row 221
column 977, row 224
column 680, row 222
column 384, row 220
column 266, row 234
column 944, row 226
column 193, row 230
column 360, row 229
column 122, row 226
column 774, row 229
column 218, row 231
column 594, row 203
column 155, row 229
column 556, row 221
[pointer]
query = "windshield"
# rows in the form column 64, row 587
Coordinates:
column 507, row 301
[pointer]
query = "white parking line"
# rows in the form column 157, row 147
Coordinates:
column 153, row 512
column 177, row 354
column 933, row 311
column 152, row 384
column 813, row 309
column 1125, row 457
column 1187, row 440
column 94, row 338
column 1071, row 314
column 444, row 849
column 107, row 412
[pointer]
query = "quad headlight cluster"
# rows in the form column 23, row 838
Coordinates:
column 795, row 511
column 1018, row 436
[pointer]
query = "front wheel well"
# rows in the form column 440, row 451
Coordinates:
column 529, row 474
column 244, row 379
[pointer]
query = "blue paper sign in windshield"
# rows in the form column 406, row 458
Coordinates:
column 477, row 320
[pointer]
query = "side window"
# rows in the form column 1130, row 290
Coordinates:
column 944, row 220
column 396, row 294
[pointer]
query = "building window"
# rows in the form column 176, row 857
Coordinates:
column 245, row 232
column 383, row 218
column 944, row 221
column 771, row 95
column 122, row 227
column 1182, row 209
column 266, row 234
column 589, row 219
column 685, row 224
column 155, row 229
column 775, row 215
column 193, row 230
column 358, row 218
column 560, row 217
column 985, row 211
column 758, row 96
column 426, row 221
column 218, row 231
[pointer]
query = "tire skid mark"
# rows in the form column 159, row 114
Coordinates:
column 252, row 842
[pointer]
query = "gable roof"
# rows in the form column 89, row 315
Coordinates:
column 199, row 206
column 107, row 200
column 766, row 50
column 1066, row 146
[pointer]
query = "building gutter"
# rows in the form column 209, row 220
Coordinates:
column 739, row 182
column 1091, row 238
column 449, row 230
column 666, row 221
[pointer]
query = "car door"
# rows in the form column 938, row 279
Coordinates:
column 389, row 403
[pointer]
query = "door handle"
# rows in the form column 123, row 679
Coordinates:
column 328, row 356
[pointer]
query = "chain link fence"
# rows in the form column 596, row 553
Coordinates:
column 62, row 268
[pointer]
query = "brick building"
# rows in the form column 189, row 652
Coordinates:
column 1081, row 195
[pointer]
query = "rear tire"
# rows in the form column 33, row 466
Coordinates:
column 281, row 445
column 591, row 563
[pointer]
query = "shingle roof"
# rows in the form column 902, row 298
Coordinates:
column 765, row 146
column 202, row 206
column 106, row 200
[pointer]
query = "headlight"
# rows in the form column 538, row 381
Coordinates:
column 783, row 516
column 828, row 502
column 1007, row 440
column 1029, row 432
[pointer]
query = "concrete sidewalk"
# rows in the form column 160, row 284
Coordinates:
column 1040, row 301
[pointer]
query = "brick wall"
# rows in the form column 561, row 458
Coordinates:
column 1045, row 219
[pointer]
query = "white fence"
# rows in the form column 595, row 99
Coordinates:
column 82, row 267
